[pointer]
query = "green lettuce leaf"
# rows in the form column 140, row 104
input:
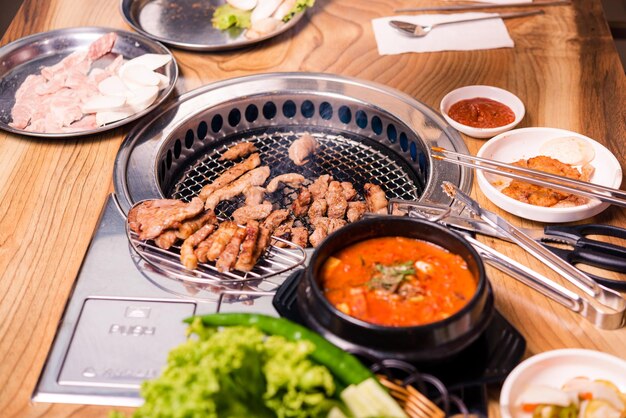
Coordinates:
column 227, row 16
column 238, row 372
column 300, row 6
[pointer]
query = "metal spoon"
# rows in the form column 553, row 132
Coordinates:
column 418, row 31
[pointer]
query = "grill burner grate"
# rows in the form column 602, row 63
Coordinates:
column 346, row 157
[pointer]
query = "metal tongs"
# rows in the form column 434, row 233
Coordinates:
column 604, row 308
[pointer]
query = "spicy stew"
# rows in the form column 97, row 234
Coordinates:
column 397, row 281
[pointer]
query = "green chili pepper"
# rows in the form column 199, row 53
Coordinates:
column 343, row 365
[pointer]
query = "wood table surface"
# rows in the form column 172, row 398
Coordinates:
column 564, row 67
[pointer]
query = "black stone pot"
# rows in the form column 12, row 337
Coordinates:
column 431, row 342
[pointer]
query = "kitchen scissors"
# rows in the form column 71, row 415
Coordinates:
column 583, row 250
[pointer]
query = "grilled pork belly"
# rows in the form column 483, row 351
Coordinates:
column 257, row 212
column 228, row 257
column 300, row 206
column 356, row 210
column 337, row 203
column 302, row 148
column 375, row 198
column 188, row 257
column 150, row 218
column 230, row 175
column 292, row 179
column 255, row 177
column 237, row 151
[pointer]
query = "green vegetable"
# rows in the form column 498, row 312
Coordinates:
column 300, row 6
column 239, row 372
column 368, row 399
column 343, row 365
column 226, row 16
column 389, row 278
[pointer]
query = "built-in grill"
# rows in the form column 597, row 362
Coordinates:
column 125, row 314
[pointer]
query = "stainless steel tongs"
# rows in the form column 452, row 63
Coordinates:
column 604, row 307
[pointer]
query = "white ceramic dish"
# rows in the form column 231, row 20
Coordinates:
column 525, row 143
column 554, row 368
column 489, row 92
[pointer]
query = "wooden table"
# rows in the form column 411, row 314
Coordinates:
column 564, row 67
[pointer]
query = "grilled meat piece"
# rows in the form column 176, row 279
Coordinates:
column 187, row 255
column 336, row 200
column 227, row 259
column 203, row 248
column 222, row 237
column 318, row 208
column 230, row 175
column 246, row 260
column 302, row 148
column 166, row 239
column 263, row 241
column 237, row 151
column 283, row 231
column 300, row 206
column 255, row 177
column 245, row 213
column 254, row 195
column 348, row 190
column 150, row 218
column 356, row 210
column 335, row 224
column 275, row 219
column 300, row 236
column 320, row 186
column 321, row 231
column 293, row 179
column 375, row 198
column 192, row 225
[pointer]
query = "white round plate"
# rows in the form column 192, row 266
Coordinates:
column 525, row 143
column 554, row 368
column 489, row 92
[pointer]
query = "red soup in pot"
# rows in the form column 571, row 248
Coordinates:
column 397, row 281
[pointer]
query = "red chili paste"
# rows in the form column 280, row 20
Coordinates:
column 481, row 112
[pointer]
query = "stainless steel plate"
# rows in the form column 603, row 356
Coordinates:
column 187, row 24
column 28, row 55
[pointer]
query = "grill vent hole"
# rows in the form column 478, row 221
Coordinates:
column 216, row 123
column 392, row 134
column 307, row 109
column 360, row 119
column 377, row 125
column 289, row 109
column 412, row 149
column 202, row 130
column 168, row 159
column 177, row 148
column 189, row 139
column 269, row 110
column 404, row 142
column 345, row 114
column 326, row 111
column 252, row 113
column 234, row 117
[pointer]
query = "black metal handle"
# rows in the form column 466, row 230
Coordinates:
column 580, row 233
column 595, row 259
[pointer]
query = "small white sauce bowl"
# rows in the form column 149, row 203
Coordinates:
column 554, row 368
column 494, row 93
column 525, row 143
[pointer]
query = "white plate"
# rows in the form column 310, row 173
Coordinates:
column 489, row 92
column 554, row 368
column 525, row 143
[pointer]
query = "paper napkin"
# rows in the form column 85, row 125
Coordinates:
column 484, row 34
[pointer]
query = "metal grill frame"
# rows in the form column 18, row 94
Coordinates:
column 173, row 138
